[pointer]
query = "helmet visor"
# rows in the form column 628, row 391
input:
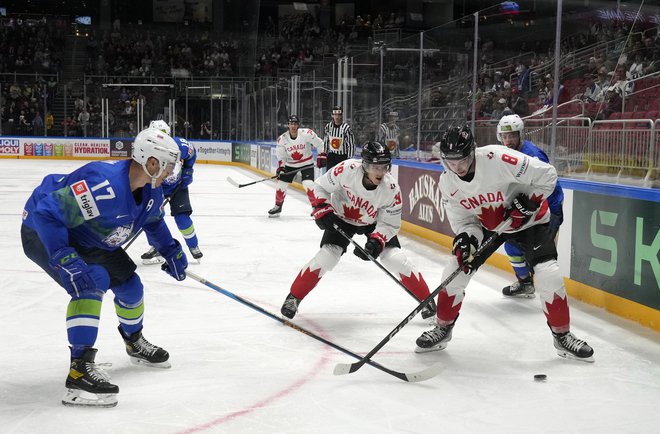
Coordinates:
column 460, row 166
column 377, row 168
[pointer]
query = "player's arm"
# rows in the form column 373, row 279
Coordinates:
column 460, row 219
column 388, row 220
column 328, row 183
column 315, row 140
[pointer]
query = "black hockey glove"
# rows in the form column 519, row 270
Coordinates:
column 521, row 210
column 464, row 247
column 281, row 170
column 374, row 247
column 324, row 216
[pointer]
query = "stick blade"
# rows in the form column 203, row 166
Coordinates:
column 232, row 182
column 411, row 377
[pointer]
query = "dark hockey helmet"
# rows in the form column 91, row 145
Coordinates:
column 376, row 153
column 293, row 119
column 457, row 143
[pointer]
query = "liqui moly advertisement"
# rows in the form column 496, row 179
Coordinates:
column 9, row 146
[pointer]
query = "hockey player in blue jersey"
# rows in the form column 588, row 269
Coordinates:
column 175, row 187
column 510, row 132
column 74, row 226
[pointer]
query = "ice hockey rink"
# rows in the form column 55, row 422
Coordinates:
column 235, row 370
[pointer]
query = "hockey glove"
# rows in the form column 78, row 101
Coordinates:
column 374, row 247
column 321, row 160
column 464, row 247
column 186, row 176
column 281, row 170
column 175, row 261
column 324, row 216
column 78, row 277
column 521, row 210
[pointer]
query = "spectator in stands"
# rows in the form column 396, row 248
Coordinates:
column 69, row 125
column 519, row 103
column 83, row 121
column 205, row 131
column 500, row 82
column 500, row 107
column 50, row 122
column 621, row 84
column 592, row 91
column 604, row 78
column 636, row 69
column 486, row 107
column 37, row 124
column 524, row 79
column 549, row 87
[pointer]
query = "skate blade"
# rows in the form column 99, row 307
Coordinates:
column 272, row 216
column 567, row 355
column 438, row 347
column 532, row 295
column 153, row 261
column 141, row 362
column 80, row 398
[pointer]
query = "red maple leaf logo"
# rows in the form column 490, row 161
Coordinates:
column 491, row 217
column 352, row 213
column 313, row 199
column 537, row 199
column 296, row 155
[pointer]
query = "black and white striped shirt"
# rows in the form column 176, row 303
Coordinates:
column 389, row 136
column 338, row 139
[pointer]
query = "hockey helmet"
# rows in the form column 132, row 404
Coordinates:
column 374, row 153
column 154, row 143
column 293, row 119
column 457, row 143
column 161, row 125
column 510, row 124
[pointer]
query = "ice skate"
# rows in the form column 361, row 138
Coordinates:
column 275, row 211
column 570, row 347
column 435, row 339
column 196, row 254
column 143, row 352
column 290, row 306
column 521, row 289
column 429, row 311
column 152, row 257
column 88, row 385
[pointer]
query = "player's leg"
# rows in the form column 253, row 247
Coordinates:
column 280, row 193
column 129, row 305
column 541, row 253
column 333, row 246
column 308, row 182
column 181, row 210
column 524, row 286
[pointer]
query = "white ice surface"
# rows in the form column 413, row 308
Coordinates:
column 235, row 370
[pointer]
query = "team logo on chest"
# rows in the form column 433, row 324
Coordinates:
column 358, row 203
column 474, row 202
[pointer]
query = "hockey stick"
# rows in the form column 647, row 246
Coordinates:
column 236, row 184
column 372, row 259
column 412, row 377
column 347, row 368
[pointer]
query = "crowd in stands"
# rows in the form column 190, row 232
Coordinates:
column 30, row 46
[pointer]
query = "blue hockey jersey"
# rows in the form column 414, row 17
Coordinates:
column 556, row 199
column 94, row 206
column 188, row 158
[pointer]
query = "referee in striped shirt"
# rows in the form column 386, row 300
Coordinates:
column 338, row 141
column 388, row 134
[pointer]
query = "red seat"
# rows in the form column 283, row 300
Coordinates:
column 614, row 116
column 627, row 115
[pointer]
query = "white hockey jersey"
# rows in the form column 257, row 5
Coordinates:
column 297, row 152
column 500, row 175
column 342, row 187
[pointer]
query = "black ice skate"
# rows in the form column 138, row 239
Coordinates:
column 290, row 306
column 88, row 385
column 196, row 253
column 570, row 347
column 521, row 289
column 152, row 257
column 429, row 311
column 143, row 352
column 435, row 339
column 275, row 211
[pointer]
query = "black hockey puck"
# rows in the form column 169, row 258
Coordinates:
column 540, row 377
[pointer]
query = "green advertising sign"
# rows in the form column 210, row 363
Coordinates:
column 615, row 246
column 240, row 153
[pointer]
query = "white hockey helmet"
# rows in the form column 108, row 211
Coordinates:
column 161, row 125
column 510, row 124
column 154, row 143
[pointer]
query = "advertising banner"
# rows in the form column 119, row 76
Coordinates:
column 121, row 147
column 90, row 148
column 10, row 146
column 254, row 155
column 615, row 246
column 264, row 158
column 213, row 151
column 421, row 199
column 48, row 147
column 241, row 153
